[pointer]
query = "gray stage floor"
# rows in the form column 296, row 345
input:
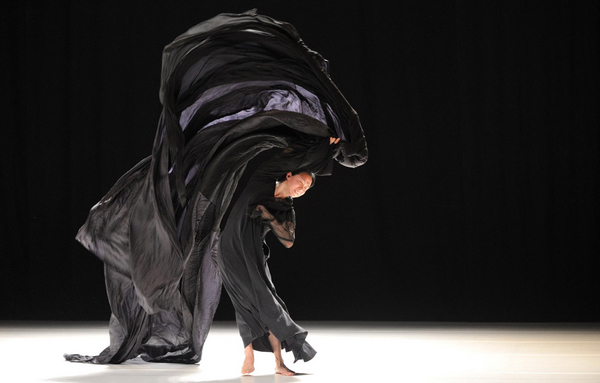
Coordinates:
column 347, row 352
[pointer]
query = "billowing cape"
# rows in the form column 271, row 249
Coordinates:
column 232, row 87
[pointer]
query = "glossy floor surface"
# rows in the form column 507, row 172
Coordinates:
column 347, row 352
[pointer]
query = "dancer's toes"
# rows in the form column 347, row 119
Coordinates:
column 247, row 369
column 248, row 366
column 283, row 370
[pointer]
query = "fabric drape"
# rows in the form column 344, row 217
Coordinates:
column 232, row 87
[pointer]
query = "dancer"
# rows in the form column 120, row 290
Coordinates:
column 264, row 205
column 232, row 87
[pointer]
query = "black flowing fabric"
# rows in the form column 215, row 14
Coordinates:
column 242, row 259
column 232, row 87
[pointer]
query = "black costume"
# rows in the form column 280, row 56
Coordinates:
column 242, row 260
column 232, row 87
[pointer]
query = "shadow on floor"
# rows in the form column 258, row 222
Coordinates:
column 135, row 376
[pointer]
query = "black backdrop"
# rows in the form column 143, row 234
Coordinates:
column 478, row 202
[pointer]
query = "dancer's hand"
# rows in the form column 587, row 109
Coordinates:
column 333, row 140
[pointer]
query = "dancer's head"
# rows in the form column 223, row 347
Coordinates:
column 296, row 183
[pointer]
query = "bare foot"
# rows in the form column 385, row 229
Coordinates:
column 248, row 366
column 283, row 370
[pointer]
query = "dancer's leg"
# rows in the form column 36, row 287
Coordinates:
column 280, row 368
column 248, row 365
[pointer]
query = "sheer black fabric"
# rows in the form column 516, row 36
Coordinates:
column 232, row 87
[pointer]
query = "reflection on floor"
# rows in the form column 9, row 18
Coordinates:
column 347, row 352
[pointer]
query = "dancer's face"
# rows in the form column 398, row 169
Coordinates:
column 297, row 184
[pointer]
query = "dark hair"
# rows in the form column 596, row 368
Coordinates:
column 312, row 175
